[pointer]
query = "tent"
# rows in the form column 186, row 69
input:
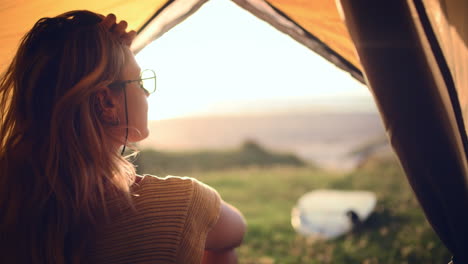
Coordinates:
column 413, row 55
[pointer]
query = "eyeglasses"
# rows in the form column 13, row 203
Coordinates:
column 147, row 82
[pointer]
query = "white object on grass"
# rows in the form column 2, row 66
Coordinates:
column 328, row 214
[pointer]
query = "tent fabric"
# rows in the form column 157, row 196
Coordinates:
column 321, row 19
column 166, row 18
column 343, row 57
column 152, row 18
column 280, row 16
column 17, row 17
column 450, row 23
column 419, row 116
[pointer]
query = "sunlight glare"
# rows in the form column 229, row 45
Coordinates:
column 223, row 59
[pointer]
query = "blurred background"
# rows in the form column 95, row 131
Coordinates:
column 263, row 119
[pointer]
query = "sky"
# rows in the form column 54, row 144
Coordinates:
column 224, row 60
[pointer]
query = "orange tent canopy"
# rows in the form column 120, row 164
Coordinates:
column 316, row 24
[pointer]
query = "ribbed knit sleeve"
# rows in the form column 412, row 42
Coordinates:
column 171, row 214
column 202, row 215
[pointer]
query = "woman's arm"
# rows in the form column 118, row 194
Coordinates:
column 226, row 235
column 217, row 257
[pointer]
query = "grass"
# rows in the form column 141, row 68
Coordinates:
column 265, row 186
column 396, row 232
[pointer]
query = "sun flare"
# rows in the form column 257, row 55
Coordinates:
column 203, row 70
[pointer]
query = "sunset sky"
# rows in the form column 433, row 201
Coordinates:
column 223, row 60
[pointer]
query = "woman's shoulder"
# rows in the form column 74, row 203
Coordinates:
column 171, row 214
column 153, row 181
column 180, row 185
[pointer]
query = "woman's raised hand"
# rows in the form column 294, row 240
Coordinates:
column 110, row 22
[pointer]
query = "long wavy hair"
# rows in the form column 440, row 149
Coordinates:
column 58, row 166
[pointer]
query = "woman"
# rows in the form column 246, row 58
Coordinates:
column 71, row 98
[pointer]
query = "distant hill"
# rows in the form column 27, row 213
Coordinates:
column 249, row 154
column 325, row 138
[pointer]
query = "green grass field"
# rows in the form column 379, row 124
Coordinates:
column 265, row 186
column 396, row 232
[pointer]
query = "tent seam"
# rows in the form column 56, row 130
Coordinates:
column 347, row 64
column 444, row 69
column 168, row 3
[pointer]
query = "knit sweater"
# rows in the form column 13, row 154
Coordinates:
column 169, row 223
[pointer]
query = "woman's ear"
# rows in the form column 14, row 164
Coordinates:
column 106, row 107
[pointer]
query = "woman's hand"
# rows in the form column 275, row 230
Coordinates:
column 110, row 22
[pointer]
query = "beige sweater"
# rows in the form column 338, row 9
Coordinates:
column 172, row 218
